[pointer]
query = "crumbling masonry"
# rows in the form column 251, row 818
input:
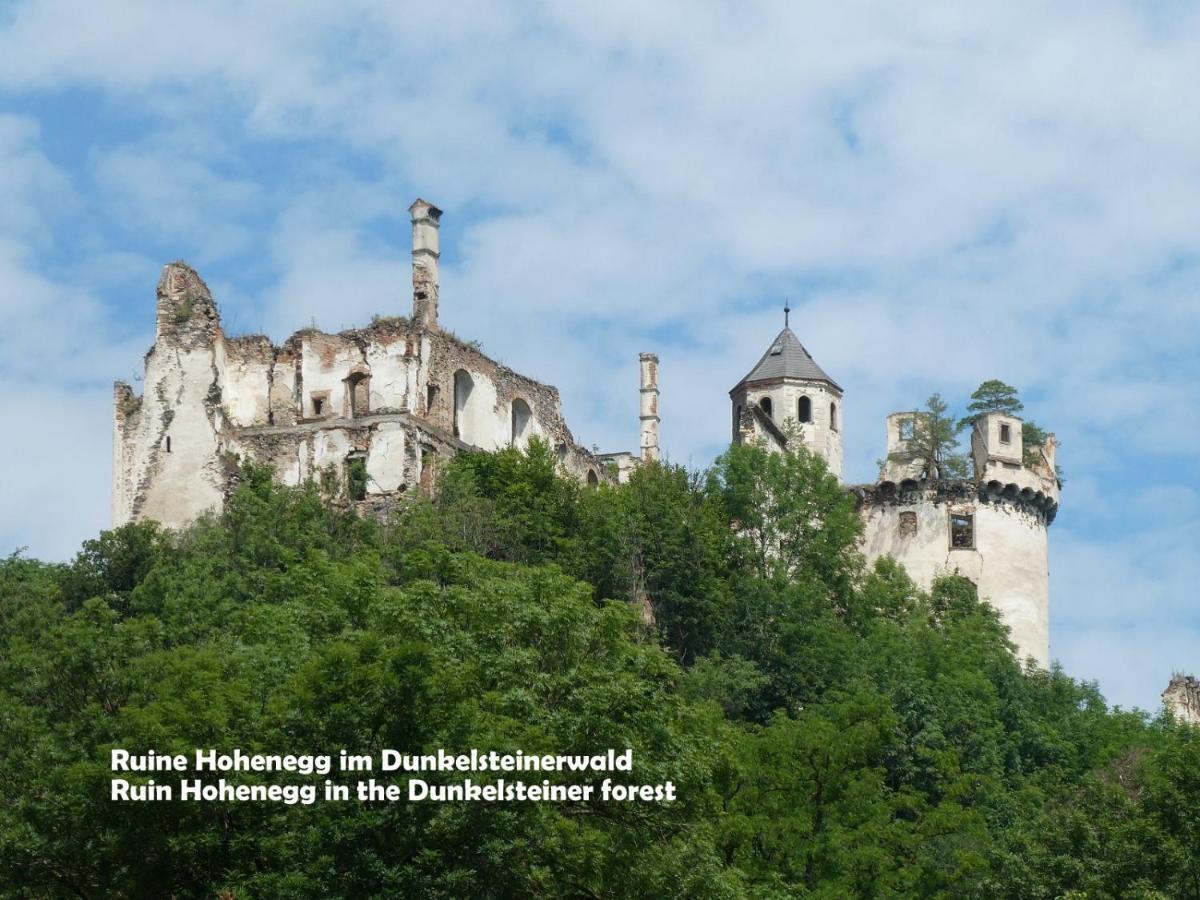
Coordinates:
column 372, row 409
column 1182, row 699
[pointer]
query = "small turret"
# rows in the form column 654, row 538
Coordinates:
column 902, row 463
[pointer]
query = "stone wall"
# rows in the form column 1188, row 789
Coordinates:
column 395, row 394
column 1182, row 699
column 1006, row 556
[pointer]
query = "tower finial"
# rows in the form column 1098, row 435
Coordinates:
column 786, row 310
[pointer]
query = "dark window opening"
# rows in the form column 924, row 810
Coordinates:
column 833, row 417
column 766, row 405
column 318, row 404
column 962, row 531
column 358, row 386
column 1005, row 434
column 463, row 386
column 805, row 410
column 356, row 478
column 592, row 479
column 908, row 523
column 907, row 429
column 522, row 416
column 431, row 392
column 168, row 443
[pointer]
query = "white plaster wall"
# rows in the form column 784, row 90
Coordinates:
column 324, row 364
column 390, row 376
column 818, row 436
column 532, row 426
column 246, row 387
column 186, row 482
column 1009, row 564
column 329, row 448
column 484, row 422
column 385, row 460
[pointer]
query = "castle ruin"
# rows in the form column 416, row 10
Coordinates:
column 373, row 408
column 990, row 528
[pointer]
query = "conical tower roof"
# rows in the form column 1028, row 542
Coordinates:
column 787, row 358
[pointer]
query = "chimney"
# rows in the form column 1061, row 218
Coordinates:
column 425, row 252
column 649, row 415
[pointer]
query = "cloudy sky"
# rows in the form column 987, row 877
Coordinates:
column 945, row 193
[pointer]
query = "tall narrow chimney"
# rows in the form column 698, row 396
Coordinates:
column 649, row 416
column 425, row 253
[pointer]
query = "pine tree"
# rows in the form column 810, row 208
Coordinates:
column 934, row 443
column 991, row 396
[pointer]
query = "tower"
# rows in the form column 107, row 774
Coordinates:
column 787, row 400
column 649, row 406
column 991, row 528
column 426, row 250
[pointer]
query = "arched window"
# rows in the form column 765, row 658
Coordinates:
column 592, row 479
column 804, row 411
column 358, row 389
column 522, row 416
column 765, row 403
column 833, row 417
column 463, row 385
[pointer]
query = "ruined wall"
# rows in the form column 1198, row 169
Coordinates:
column 1007, row 558
column 384, row 394
column 1182, row 699
column 169, row 459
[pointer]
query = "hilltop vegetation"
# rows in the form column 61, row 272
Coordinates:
column 833, row 731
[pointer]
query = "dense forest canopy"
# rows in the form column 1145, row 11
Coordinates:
column 832, row 730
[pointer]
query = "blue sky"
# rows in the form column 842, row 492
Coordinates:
column 944, row 194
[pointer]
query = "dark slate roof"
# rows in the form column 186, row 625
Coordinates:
column 787, row 358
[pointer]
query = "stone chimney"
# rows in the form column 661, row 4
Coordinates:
column 649, row 414
column 425, row 253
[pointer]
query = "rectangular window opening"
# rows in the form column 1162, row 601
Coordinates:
column 1005, row 434
column 962, row 531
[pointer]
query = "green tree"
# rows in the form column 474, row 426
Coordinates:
column 991, row 396
column 933, row 443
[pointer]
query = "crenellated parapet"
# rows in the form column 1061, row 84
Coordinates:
column 950, row 490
